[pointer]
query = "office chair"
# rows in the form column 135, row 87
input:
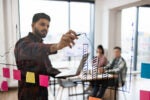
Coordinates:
column 123, row 80
column 64, row 83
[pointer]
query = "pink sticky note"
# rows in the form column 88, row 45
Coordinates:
column 6, row 72
column 4, row 86
column 144, row 95
column 44, row 80
column 16, row 74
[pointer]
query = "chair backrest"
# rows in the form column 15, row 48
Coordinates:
column 123, row 74
column 61, row 82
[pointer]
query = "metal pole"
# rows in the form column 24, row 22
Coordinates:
column 69, row 14
column 136, row 41
column 92, row 9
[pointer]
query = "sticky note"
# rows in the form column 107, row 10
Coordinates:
column 4, row 86
column 30, row 77
column 43, row 80
column 16, row 74
column 144, row 95
column 145, row 70
column 6, row 72
column 94, row 98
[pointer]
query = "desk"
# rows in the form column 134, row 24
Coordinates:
column 98, row 77
column 89, row 78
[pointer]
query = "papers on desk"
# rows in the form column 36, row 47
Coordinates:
column 67, row 73
column 98, row 77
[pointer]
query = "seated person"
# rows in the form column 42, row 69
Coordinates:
column 100, row 61
column 116, row 67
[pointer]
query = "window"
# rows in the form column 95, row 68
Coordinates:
column 64, row 16
column 136, row 36
column 143, row 36
column 127, row 35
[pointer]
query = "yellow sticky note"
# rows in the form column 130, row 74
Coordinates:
column 30, row 77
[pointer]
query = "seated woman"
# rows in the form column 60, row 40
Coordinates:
column 100, row 61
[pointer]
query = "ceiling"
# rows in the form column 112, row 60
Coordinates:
column 91, row 1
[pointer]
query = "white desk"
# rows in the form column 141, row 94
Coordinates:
column 89, row 78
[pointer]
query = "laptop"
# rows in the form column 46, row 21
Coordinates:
column 71, row 73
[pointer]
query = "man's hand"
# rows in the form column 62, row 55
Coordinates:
column 67, row 40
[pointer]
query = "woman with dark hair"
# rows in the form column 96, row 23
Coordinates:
column 102, row 60
column 98, row 61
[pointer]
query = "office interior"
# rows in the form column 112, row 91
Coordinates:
column 111, row 23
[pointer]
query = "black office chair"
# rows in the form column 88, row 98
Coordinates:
column 123, row 81
column 64, row 83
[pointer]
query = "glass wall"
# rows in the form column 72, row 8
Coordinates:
column 128, row 24
column 64, row 16
column 129, row 29
column 143, row 36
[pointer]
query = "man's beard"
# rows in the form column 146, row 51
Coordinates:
column 39, row 33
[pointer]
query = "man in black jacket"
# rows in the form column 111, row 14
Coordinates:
column 32, row 56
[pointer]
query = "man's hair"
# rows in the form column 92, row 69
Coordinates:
column 118, row 48
column 101, row 47
column 38, row 16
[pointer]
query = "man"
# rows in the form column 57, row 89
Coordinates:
column 32, row 56
column 118, row 68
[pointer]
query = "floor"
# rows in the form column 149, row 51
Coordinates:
column 131, row 91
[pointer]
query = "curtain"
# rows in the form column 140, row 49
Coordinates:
column 9, row 34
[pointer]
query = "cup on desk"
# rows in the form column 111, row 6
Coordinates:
column 90, row 72
column 100, row 70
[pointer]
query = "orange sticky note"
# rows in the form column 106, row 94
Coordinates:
column 16, row 74
column 4, row 86
column 93, row 98
column 6, row 72
column 30, row 77
column 43, row 80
